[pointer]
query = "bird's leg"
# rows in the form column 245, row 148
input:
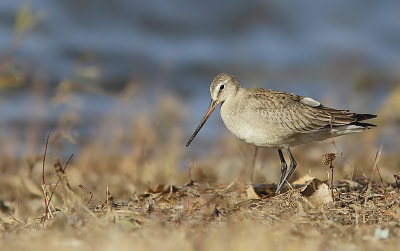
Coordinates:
column 293, row 165
column 253, row 163
column 283, row 167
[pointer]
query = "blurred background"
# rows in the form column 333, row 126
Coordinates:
column 133, row 76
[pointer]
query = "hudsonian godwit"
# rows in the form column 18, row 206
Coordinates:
column 279, row 120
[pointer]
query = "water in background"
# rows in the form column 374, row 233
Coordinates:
column 344, row 53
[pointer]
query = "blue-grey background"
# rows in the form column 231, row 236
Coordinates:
column 346, row 53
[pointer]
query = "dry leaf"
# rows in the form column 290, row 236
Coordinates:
column 317, row 193
column 251, row 194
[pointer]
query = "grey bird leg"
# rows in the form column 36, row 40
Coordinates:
column 253, row 164
column 293, row 165
column 283, row 167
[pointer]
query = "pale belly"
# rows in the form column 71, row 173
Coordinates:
column 254, row 130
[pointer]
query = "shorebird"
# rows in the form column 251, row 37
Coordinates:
column 278, row 120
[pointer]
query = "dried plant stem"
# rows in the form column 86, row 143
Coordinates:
column 48, row 214
column 377, row 157
column 12, row 216
column 333, row 142
column 46, row 204
column 59, row 178
column 44, row 157
column 47, row 199
column 327, row 159
column 107, row 195
column 377, row 167
column 333, row 196
column 92, row 195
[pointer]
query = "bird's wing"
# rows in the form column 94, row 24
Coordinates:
column 294, row 112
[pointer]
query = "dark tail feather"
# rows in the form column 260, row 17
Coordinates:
column 365, row 125
column 361, row 117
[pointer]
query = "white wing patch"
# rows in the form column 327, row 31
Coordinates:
column 310, row 102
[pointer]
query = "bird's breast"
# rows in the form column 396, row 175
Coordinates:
column 249, row 126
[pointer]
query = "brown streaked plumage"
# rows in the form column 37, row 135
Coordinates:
column 267, row 118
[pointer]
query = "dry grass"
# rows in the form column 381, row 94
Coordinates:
column 153, row 204
column 200, row 217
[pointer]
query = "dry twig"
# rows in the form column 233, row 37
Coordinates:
column 46, row 204
column 92, row 196
column 327, row 159
column 59, row 178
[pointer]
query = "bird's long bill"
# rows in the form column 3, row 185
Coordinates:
column 211, row 108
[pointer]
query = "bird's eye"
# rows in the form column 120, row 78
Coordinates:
column 221, row 87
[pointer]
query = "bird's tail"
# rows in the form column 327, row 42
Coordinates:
column 362, row 117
